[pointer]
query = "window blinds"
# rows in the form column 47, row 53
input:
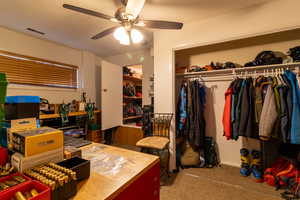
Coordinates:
column 20, row 69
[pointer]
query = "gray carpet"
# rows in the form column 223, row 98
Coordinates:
column 222, row 183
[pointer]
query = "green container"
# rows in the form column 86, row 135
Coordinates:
column 3, row 87
column 93, row 127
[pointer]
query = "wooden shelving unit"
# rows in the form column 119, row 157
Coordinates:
column 137, row 82
column 132, row 117
column 131, row 78
column 137, row 98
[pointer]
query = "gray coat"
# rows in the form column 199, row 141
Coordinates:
column 268, row 115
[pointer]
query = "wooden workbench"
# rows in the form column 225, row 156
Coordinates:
column 50, row 116
column 138, row 179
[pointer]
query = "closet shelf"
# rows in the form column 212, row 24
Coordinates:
column 133, row 117
column 131, row 78
column 242, row 69
column 134, row 98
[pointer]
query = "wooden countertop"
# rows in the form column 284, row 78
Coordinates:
column 105, row 187
column 50, row 116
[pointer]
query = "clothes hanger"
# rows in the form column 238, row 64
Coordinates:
column 278, row 77
column 280, row 72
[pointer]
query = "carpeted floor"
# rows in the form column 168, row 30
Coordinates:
column 222, row 183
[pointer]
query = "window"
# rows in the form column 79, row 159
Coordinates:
column 20, row 69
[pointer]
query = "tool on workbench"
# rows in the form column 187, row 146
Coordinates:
column 90, row 110
column 64, row 111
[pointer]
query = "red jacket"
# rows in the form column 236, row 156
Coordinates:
column 227, row 114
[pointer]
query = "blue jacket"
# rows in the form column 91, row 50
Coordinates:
column 182, row 108
column 295, row 120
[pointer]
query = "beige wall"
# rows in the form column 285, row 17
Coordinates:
column 142, row 57
column 273, row 16
column 27, row 45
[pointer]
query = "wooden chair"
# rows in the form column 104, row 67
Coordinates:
column 158, row 142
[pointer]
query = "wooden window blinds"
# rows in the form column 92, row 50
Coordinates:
column 20, row 69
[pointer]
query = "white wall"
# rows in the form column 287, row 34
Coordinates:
column 27, row 45
column 270, row 17
column 142, row 57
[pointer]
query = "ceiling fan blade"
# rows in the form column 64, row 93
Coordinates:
column 120, row 2
column 105, row 33
column 134, row 7
column 159, row 24
column 88, row 12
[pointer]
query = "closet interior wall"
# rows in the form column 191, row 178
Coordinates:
column 238, row 51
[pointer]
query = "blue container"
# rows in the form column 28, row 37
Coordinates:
column 22, row 99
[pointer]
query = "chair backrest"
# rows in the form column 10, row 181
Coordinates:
column 161, row 123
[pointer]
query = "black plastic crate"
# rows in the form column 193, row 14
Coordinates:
column 65, row 192
column 78, row 165
column 270, row 152
column 21, row 110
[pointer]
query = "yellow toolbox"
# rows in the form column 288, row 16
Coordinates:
column 36, row 141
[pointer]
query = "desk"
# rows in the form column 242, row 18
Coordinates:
column 137, row 180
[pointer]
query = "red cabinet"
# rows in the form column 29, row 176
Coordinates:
column 145, row 187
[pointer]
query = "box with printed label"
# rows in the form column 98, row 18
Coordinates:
column 36, row 141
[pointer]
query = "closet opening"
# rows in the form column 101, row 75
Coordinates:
column 214, row 67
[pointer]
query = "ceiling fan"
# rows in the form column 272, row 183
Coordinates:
column 128, row 18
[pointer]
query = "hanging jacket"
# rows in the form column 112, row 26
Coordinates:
column 196, row 133
column 181, row 114
column 295, row 125
column 245, row 109
column 234, row 108
column 251, row 128
column 289, row 105
column 268, row 115
column 276, row 128
column 258, row 98
column 227, row 113
column 284, row 126
column 238, row 111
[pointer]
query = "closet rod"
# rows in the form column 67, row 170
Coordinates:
column 242, row 69
column 215, row 80
column 231, row 77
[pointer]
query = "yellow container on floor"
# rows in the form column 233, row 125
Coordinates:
column 36, row 141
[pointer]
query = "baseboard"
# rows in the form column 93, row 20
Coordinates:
column 231, row 164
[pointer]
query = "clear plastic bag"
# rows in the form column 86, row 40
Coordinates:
column 102, row 162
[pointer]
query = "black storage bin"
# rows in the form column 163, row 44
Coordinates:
column 21, row 110
column 270, row 152
column 65, row 192
column 78, row 165
column 19, row 107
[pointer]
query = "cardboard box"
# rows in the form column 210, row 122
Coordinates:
column 19, row 125
column 36, row 141
column 22, row 163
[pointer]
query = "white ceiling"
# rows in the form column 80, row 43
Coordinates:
column 75, row 29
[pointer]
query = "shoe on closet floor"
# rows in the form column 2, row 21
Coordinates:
column 245, row 166
column 256, row 165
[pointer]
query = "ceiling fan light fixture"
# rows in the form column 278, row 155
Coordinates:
column 125, row 41
column 136, row 36
column 122, row 36
column 114, row 20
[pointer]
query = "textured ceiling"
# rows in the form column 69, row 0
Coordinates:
column 75, row 29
